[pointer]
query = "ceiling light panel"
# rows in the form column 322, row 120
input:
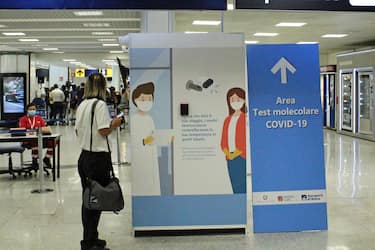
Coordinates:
column 88, row 13
column 50, row 49
column 290, row 24
column 116, row 52
column 251, row 42
column 334, row 35
column 266, row 34
column 230, row 6
column 307, row 42
column 14, row 34
column 206, row 22
column 107, row 40
column 111, row 45
column 196, row 32
column 28, row 40
column 97, row 25
column 102, row 33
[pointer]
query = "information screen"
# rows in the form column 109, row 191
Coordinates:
column 329, row 5
column 115, row 4
column 13, row 95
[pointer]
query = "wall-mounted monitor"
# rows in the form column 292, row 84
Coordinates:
column 13, row 90
column 91, row 71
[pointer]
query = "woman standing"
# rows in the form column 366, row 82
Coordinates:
column 233, row 140
column 95, row 159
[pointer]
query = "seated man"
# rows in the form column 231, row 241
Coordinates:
column 32, row 121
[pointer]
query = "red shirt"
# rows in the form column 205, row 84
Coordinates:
column 240, row 134
column 31, row 122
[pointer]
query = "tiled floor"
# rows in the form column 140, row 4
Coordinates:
column 52, row 221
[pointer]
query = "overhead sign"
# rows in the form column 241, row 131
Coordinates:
column 329, row 5
column 115, row 4
column 287, row 154
column 80, row 72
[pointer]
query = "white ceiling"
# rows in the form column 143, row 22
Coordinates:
column 63, row 30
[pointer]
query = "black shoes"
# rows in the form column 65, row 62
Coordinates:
column 97, row 245
column 47, row 161
column 100, row 243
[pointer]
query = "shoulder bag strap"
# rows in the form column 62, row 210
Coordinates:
column 109, row 149
column 92, row 121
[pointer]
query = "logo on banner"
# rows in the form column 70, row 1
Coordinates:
column 312, row 197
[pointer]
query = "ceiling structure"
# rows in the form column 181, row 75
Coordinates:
column 76, row 36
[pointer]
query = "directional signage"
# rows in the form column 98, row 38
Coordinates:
column 286, row 138
column 283, row 65
column 330, row 5
column 115, row 4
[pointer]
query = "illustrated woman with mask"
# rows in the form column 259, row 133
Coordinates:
column 233, row 140
column 31, row 121
column 146, row 180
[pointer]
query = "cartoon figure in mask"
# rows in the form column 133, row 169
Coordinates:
column 233, row 140
column 146, row 180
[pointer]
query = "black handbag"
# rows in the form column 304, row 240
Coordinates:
column 97, row 197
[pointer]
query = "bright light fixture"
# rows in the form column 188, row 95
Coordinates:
column 76, row 63
column 230, row 6
column 28, row 40
column 58, row 52
column 290, row 24
column 88, row 13
column 96, row 25
column 204, row 22
column 50, row 49
column 102, row 33
column 108, row 60
column 307, row 42
column 334, row 35
column 107, row 40
column 2, row 26
column 266, row 34
column 14, row 34
column 362, row 2
column 69, row 60
column 251, row 42
column 116, row 52
column 110, row 45
column 196, row 32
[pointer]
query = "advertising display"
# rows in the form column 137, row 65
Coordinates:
column 335, row 5
column 115, row 4
column 288, row 173
column 13, row 94
column 188, row 122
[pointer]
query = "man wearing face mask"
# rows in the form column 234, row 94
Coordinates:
column 31, row 121
column 146, row 180
column 233, row 140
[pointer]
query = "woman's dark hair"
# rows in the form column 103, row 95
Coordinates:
column 241, row 94
column 145, row 88
column 30, row 105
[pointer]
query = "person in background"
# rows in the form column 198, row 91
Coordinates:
column 80, row 93
column 73, row 102
column 32, row 121
column 58, row 97
column 95, row 159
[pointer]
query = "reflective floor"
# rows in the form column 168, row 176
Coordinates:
column 52, row 221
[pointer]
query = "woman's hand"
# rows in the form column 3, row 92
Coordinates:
column 235, row 154
column 148, row 140
column 116, row 122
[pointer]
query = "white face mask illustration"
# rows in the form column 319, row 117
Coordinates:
column 237, row 105
column 145, row 106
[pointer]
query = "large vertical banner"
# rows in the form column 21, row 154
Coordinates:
column 288, row 173
column 188, row 132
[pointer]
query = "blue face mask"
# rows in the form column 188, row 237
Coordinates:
column 31, row 112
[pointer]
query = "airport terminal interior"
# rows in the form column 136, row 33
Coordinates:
column 43, row 48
